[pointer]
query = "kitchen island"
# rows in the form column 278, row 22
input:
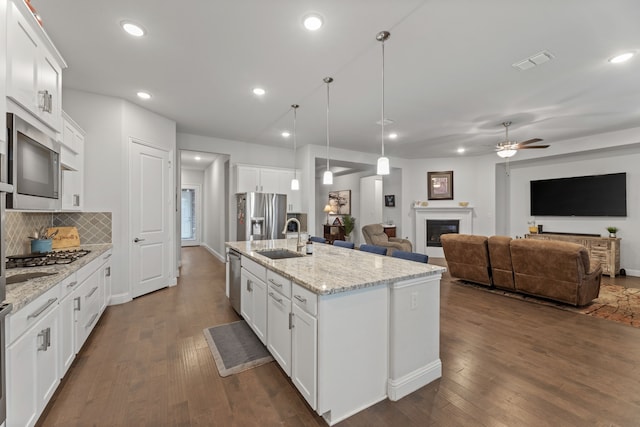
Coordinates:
column 350, row 328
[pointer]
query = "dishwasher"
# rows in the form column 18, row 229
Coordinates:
column 234, row 279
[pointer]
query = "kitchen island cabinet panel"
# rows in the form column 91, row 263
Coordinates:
column 304, row 354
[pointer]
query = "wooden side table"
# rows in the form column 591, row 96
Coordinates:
column 389, row 230
column 333, row 232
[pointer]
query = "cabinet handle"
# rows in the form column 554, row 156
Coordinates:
column 299, row 298
column 107, row 256
column 77, row 308
column 91, row 320
column 48, row 336
column 291, row 325
column 274, row 283
column 76, row 200
column 49, row 103
column 72, row 284
column 107, row 272
column 43, row 334
column 249, row 285
column 93, row 291
column 271, row 294
column 39, row 311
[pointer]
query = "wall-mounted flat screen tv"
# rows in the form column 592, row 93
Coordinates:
column 595, row 195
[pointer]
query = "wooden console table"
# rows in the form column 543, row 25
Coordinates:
column 389, row 230
column 333, row 232
column 603, row 249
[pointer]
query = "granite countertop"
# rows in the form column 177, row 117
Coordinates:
column 332, row 269
column 21, row 294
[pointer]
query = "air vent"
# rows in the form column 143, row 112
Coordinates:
column 533, row 61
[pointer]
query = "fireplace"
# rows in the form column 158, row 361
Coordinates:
column 438, row 227
column 462, row 214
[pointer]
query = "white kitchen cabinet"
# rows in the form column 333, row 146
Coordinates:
column 253, row 297
column 34, row 67
column 89, row 299
column 262, row 180
column 106, row 280
column 294, row 200
column 304, row 344
column 68, row 310
column 72, row 161
column 279, row 320
column 32, row 374
column 3, row 76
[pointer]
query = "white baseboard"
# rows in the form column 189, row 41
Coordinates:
column 397, row 389
column 634, row 273
column 221, row 258
column 120, row 299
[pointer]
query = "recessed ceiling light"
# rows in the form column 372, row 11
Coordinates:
column 259, row 91
column 144, row 95
column 461, row 150
column 312, row 22
column 286, row 134
column 133, row 29
column 197, row 157
column 393, row 135
column 624, row 57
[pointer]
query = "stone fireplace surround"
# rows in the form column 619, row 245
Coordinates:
column 423, row 213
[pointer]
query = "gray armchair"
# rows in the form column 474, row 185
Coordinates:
column 374, row 235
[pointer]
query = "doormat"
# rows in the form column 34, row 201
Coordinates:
column 615, row 303
column 235, row 348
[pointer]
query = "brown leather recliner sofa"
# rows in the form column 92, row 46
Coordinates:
column 550, row 269
column 467, row 257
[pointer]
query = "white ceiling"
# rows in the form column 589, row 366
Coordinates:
column 449, row 79
column 196, row 160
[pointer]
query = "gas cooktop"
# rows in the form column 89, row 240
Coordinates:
column 44, row 259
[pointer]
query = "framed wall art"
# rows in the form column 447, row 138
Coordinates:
column 390, row 201
column 440, row 185
column 340, row 202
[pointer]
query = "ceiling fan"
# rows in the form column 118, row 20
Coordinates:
column 508, row 148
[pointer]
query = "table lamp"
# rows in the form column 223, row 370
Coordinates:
column 327, row 209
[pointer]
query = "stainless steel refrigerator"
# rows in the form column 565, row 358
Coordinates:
column 260, row 216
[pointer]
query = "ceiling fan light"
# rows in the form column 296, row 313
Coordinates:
column 383, row 166
column 327, row 178
column 295, row 184
column 507, row 153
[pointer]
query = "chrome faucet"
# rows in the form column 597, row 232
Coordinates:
column 299, row 245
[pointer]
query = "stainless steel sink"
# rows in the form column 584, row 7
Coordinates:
column 279, row 253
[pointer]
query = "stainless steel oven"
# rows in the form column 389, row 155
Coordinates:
column 33, row 167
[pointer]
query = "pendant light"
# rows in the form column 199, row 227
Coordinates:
column 327, row 178
column 295, row 184
column 383, row 162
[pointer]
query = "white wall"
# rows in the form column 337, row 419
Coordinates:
column 109, row 124
column 215, row 206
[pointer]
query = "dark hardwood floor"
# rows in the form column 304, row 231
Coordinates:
column 506, row 362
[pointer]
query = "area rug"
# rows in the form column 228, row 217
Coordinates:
column 236, row 348
column 615, row 302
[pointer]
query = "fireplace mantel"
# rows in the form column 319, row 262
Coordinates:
column 423, row 213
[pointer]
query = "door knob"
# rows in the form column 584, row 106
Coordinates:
column 136, row 240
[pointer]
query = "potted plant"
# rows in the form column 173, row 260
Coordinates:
column 612, row 231
column 349, row 224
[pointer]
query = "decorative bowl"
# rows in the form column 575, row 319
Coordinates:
column 463, row 204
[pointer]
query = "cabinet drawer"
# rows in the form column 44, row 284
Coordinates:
column 29, row 315
column 68, row 284
column 259, row 271
column 279, row 283
column 305, row 299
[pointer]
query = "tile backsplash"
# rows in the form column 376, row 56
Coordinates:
column 93, row 227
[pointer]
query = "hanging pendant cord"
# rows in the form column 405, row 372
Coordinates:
column 328, row 80
column 382, row 122
column 295, row 160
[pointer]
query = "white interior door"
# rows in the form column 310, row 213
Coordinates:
column 150, row 204
column 370, row 202
column 191, row 214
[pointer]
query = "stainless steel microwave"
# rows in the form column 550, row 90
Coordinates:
column 33, row 167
